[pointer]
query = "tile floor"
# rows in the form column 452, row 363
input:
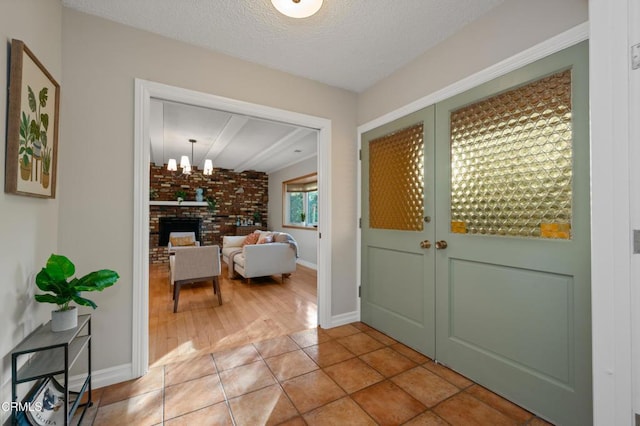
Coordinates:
column 349, row 375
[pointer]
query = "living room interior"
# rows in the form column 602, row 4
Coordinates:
column 245, row 191
column 97, row 61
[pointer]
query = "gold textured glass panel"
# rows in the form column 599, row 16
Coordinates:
column 511, row 162
column 396, row 189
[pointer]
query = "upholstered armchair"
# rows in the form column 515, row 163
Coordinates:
column 178, row 240
column 194, row 264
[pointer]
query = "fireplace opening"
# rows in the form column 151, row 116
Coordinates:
column 178, row 224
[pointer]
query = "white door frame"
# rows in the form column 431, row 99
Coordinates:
column 144, row 91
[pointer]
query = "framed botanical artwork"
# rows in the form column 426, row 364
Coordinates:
column 32, row 126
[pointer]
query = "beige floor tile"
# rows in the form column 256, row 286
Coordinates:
column 381, row 337
column 448, row 374
column 341, row 412
column 313, row 336
column 296, row 421
column 276, row 346
column 312, row 390
column 388, row 404
column 246, row 378
column 328, row 353
column 362, row 326
column 353, row 375
column 341, row 331
column 291, row 364
column 235, row 357
column 151, row 381
column 267, row 406
column 192, row 395
column 388, row 361
column 410, row 353
column 463, row 409
column 506, row 407
column 140, row 410
column 360, row 343
column 179, row 372
column 217, row 414
column 426, row 419
column 425, row 386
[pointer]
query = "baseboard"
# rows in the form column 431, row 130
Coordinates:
column 307, row 264
column 347, row 318
column 104, row 377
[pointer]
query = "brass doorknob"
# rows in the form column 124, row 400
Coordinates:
column 425, row 244
column 440, row 245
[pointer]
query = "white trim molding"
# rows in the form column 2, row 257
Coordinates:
column 144, row 91
column 346, row 318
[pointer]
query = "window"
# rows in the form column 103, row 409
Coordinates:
column 300, row 202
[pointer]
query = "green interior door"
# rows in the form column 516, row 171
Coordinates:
column 513, row 283
column 398, row 293
column 476, row 236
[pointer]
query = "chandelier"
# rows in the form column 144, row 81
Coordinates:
column 297, row 8
column 185, row 163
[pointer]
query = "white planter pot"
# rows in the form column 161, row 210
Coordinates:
column 64, row 320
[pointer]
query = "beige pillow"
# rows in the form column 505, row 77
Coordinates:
column 265, row 238
column 182, row 241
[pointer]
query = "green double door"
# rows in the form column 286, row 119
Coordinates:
column 476, row 236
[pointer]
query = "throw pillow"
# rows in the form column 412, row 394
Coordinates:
column 265, row 238
column 251, row 239
column 182, row 241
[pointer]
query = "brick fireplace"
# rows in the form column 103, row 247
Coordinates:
column 223, row 186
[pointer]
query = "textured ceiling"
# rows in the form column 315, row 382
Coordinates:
column 350, row 44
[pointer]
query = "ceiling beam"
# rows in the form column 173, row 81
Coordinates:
column 282, row 144
column 226, row 136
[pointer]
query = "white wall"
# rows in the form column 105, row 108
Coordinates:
column 307, row 238
column 504, row 31
column 28, row 226
column 101, row 59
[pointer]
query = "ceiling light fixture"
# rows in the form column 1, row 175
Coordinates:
column 297, row 8
column 185, row 163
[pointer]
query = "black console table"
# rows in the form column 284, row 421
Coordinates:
column 44, row 356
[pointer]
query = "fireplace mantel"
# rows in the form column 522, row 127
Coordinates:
column 182, row 204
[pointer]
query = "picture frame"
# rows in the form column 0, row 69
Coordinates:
column 32, row 126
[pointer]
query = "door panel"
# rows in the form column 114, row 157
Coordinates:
column 513, row 284
column 398, row 293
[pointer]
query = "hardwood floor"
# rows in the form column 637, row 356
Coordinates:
column 264, row 309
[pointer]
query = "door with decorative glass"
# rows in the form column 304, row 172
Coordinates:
column 398, row 293
column 511, row 247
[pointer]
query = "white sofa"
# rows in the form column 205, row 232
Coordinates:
column 260, row 260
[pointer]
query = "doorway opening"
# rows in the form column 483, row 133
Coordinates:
column 145, row 91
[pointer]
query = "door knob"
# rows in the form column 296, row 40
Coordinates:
column 440, row 245
column 425, row 244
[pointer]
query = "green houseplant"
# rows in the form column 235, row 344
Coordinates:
column 54, row 279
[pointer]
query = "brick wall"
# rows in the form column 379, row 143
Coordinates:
column 220, row 186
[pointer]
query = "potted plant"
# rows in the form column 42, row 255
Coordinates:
column 46, row 166
column 211, row 204
column 257, row 218
column 180, row 196
column 53, row 278
column 40, row 124
column 26, row 151
column 303, row 216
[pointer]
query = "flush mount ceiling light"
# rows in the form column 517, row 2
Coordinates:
column 185, row 164
column 297, row 8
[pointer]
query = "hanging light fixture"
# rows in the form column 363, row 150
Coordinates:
column 185, row 163
column 297, row 8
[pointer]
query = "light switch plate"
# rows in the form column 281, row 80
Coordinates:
column 635, row 56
